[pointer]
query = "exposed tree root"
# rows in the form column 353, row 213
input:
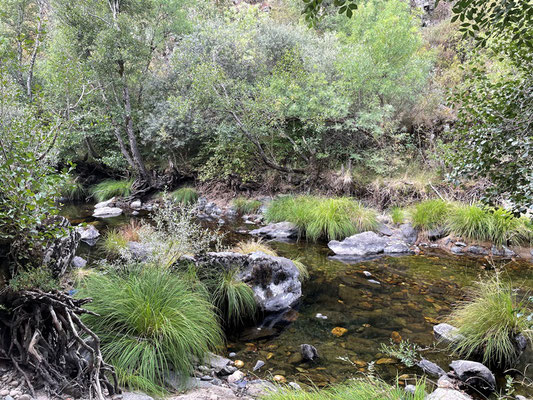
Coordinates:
column 43, row 336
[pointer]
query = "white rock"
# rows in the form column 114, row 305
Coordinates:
column 107, row 212
column 136, row 204
column 236, row 376
column 107, row 203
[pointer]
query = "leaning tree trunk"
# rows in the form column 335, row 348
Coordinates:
column 44, row 337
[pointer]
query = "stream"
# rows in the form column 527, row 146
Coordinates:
column 375, row 300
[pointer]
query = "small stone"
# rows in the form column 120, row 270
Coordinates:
column 396, row 337
column 386, row 361
column 206, row 378
column 295, row 386
column 320, row 316
column 14, row 383
column 239, row 363
column 339, row 331
column 280, row 378
column 367, row 274
column 232, row 355
column 236, row 376
column 430, row 368
column 4, row 392
column 258, row 365
column 309, row 353
column 410, row 389
column 8, row 397
column 374, row 282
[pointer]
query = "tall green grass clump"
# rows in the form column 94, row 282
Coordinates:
column 316, row 217
column 489, row 321
column 150, row 321
column 72, row 189
column 357, row 389
column 496, row 225
column 430, row 214
column 397, row 215
column 110, row 188
column 246, row 206
column 185, row 196
column 233, row 298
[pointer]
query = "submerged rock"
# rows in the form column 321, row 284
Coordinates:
column 280, row 230
column 309, row 353
column 107, row 212
column 368, row 243
column 88, row 234
column 446, row 333
column 79, row 262
column 431, row 368
column 474, row 374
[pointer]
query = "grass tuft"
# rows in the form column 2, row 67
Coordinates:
column 488, row 322
column 150, row 321
column 234, row 298
column 110, row 188
column 329, row 218
column 357, row 389
column 397, row 215
column 430, row 214
column 246, row 206
column 251, row 246
column 302, row 269
column 114, row 242
column 185, row 196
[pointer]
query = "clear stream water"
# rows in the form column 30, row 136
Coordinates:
column 414, row 292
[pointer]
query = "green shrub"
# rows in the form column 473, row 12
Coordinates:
column 34, row 278
column 430, row 214
column 234, row 298
column 110, row 188
column 150, row 321
column 246, row 206
column 72, row 189
column 329, row 218
column 114, row 242
column 397, row 215
column 185, row 195
column 357, row 389
column 489, row 320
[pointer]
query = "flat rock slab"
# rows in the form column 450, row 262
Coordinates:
column 280, row 230
column 107, row 212
column 368, row 243
column 446, row 333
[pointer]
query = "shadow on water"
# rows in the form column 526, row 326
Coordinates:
column 374, row 300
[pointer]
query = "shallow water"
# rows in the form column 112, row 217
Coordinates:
column 413, row 294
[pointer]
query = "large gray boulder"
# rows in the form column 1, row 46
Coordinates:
column 474, row 374
column 368, row 243
column 448, row 394
column 275, row 281
column 280, row 230
column 408, row 233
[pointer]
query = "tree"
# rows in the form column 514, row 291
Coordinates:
column 117, row 43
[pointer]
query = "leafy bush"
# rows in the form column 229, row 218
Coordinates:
column 430, row 214
column 246, row 206
column 150, row 322
column 488, row 322
column 110, row 188
column 397, row 215
column 234, row 298
column 185, row 195
column 357, row 389
column 114, row 242
column 34, row 278
column 330, row 218
column 404, row 351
